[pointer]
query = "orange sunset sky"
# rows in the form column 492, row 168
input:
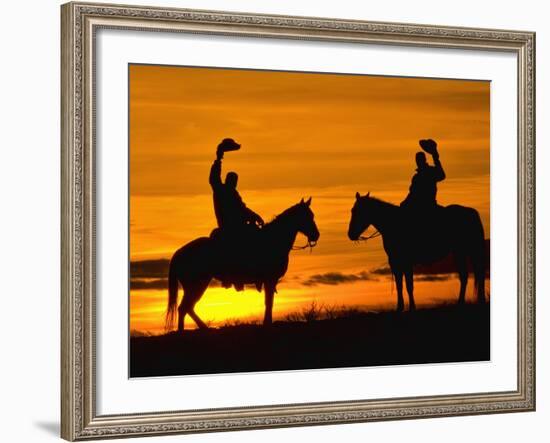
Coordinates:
column 302, row 134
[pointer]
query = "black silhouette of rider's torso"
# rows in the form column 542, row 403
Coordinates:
column 228, row 207
column 231, row 212
column 422, row 230
column 423, row 189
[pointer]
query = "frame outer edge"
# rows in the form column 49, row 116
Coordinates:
column 530, row 124
column 67, row 225
column 534, row 167
column 526, row 222
column 78, row 418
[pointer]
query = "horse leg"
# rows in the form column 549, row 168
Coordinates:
column 184, row 306
column 478, row 262
column 182, row 310
column 480, row 284
column 192, row 292
column 462, row 268
column 410, row 287
column 398, row 276
column 269, row 290
column 197, row 320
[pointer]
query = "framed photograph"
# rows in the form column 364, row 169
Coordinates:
column 283, row 221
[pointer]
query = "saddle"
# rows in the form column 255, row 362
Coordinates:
column 237, row 253
column 425, row 231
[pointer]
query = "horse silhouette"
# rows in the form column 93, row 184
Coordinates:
column 261, row 263
column 456, row 229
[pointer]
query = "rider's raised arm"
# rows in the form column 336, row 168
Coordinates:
column 215, row 178
column 439, row 173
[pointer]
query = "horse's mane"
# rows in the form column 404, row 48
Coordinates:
column 379, row 201
column 283, row 215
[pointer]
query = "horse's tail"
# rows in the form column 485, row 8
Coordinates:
column 172, row 295
column 478, row 259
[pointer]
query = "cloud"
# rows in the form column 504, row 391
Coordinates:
column 423, row 272
column 336, row 278
column 448, row 266
column 444, row 266
column 438, row 271
column 159, row 284
column 442, row 277
column 441, row 268
column 142, row 283
column 384, row 270
column 149, row 268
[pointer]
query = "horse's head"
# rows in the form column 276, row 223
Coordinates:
column 305, row 221
column 360, row 216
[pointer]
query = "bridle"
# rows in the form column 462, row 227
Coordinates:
column 368, row 237
column 310, row 244
column 375, row 234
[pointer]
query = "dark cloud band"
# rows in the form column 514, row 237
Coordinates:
column 336, row 278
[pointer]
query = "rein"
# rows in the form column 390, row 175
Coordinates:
column 373, row 235
column 310, row 244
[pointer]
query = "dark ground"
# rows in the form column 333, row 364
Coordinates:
column 437, row 335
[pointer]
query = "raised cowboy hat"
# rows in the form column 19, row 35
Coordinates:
column 428, row 145
column 228, row 144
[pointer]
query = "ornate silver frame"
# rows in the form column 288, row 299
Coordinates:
column 79, row 420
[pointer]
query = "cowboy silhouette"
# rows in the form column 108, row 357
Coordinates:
column 237, row 223
column 231, row 212
column 423, row 189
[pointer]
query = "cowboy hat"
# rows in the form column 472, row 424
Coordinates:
column 428, row 145
column 228, row 144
